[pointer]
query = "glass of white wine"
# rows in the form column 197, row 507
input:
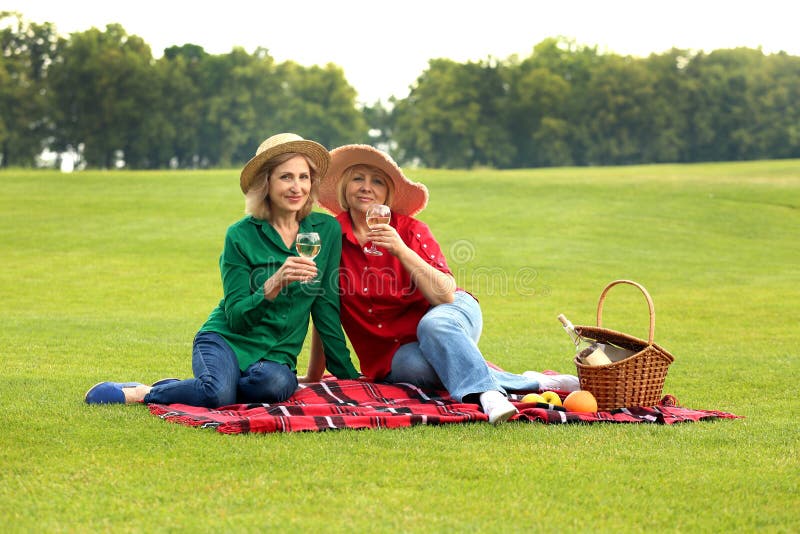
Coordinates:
column 377, row 214
column 308, row 245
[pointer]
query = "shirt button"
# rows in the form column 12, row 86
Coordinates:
column 424, row 246
column 365, row 290
column 432, row 256
column 369, row 310
column 380, row 325
column 396, row 340
column 366, row 268
column 419, row 235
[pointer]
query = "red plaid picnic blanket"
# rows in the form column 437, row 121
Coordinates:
column 355, row 404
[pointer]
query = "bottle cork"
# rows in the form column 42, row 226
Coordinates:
column 597, row 356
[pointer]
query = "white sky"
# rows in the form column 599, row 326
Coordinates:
column 383, row 46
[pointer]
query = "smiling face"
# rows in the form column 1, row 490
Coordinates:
column 289, row 186
column 364, row 185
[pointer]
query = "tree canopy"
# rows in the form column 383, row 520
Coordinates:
column 102, row 94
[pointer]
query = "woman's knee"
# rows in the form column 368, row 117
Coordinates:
column 214, row 392
column 412, row 367
column 451, row 321
column 267, row 382
column 216, row 369
column 410, row 364
column 434, row 325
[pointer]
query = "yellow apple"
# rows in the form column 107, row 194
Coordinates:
column 551, row 397
column 533, row 398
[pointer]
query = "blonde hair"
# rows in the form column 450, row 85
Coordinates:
column 347, row 177
column 256, row 200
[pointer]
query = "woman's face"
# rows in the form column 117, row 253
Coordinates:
column 364, row 188
column 289, row 186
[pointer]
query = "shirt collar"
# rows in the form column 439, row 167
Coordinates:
column 306, row 225
column 347, row 226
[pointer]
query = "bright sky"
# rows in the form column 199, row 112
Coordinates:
column 383, row 46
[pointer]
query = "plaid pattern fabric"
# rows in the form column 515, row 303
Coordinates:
column 356, row 404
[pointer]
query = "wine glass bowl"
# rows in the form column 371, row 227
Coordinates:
column 377, row 214
column 308, row 245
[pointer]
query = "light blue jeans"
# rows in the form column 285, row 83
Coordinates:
column 447, row 354
column 218, row 381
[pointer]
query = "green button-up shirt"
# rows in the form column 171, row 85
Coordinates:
column 257, row 328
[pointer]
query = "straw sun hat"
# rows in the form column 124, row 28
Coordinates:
column 408, row 198
column 283, row 143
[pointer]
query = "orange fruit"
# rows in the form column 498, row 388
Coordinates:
column 580, row 401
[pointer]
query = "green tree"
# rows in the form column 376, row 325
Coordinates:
column 779, row 91
column 105, row 87
column 618, row 111
column 380, row 122
column 450, row 118
column 536, row 114
column 183, row 102
column 668, row 107
column 543, row 110
column 318, row 103
column 241, row 95
column 26, row 119
column 724, row 109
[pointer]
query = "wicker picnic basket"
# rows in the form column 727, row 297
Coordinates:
column 637, row 380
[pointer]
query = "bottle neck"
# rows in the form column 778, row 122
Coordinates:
column 570, row 329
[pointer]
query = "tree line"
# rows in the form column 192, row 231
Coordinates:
column 102, row 94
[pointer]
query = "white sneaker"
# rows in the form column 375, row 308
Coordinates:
column 497, row 407
column 559, row 382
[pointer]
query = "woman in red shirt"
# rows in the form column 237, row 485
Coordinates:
column 404, row 314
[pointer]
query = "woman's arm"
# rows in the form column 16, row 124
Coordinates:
column 316, row 363
column 294, row 269
column 437, row 287
column 246, row 303
column 325, row 310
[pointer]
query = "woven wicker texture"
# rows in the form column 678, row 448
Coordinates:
column 635, row 381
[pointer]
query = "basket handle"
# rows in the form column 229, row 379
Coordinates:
column 646, row 296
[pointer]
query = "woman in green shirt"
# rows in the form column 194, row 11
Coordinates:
column 247, row 349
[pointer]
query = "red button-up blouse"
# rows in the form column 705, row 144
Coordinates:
column 380, row 305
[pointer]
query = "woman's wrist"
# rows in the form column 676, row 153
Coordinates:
column 271, row 288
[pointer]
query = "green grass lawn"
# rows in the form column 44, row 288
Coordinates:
column 108, row 275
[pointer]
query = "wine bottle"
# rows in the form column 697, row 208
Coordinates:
column 596, row 356
column 570, row 329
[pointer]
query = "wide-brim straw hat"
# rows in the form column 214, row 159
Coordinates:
column 408, row 198
column 284, row 143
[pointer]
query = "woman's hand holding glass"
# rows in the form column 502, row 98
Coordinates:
column 377, row 214
column 294, row 269
column 308, row 245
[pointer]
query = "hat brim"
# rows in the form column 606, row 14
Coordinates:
column 316, row 152
column 409, row 198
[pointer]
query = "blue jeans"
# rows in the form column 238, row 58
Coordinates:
column 218, row 381
column 447, row 354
